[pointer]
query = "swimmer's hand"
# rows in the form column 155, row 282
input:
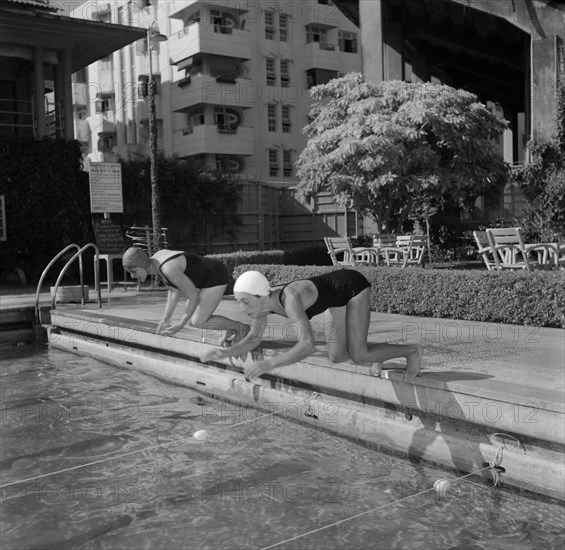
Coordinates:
column 257, row 368
column 215, row 354
column 162, row 326
column 172, row 329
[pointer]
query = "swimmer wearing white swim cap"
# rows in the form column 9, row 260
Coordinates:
column 343, row 295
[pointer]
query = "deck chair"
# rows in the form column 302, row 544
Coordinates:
column 343, row 253
column 485, row 249
column 416, row 253
column 384, row 239
column 510, row 251
column 408, row 250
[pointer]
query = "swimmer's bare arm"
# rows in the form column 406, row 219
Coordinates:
column 183, row 285
column 172, row 299
column 303, row 348
column 245, row 345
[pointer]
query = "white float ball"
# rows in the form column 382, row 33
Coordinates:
column 200, row 435
column 442, row 486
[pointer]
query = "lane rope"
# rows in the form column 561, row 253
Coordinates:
column 367, row 512
column 183, row 439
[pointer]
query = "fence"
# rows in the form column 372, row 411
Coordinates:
column 274, row 218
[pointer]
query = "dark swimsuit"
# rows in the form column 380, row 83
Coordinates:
column 203, row 272
column 335, row 289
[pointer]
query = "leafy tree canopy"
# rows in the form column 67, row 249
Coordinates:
column 198, row 204
column 396, row 150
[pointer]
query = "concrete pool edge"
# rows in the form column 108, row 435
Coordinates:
column 383, row 412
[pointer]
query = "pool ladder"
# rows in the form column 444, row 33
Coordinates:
column 78, row 255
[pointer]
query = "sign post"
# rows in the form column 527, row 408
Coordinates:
column 106, row 197
column 106, row 188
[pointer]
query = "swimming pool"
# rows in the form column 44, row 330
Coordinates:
column 257, row 482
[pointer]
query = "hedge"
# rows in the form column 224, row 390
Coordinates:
column 519, row 298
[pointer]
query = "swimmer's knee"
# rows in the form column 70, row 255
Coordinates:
column 195, row 323
column 356, row 358
column 338, row 357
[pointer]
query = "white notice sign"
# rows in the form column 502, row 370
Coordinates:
column 106, row 187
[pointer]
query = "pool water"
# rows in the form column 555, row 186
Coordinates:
column 253, row 483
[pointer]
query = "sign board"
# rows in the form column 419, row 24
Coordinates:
column 106, row 187
column 109, row 237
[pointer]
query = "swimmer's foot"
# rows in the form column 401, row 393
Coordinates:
column 232, row 337
column 414, row 363
column 376, row 369
column 228, row 338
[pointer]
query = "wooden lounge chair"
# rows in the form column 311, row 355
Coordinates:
column 407, row 250
column 511, row 252
column 485, row 249
column 344, row 254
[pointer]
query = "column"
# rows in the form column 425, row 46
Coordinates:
column 39, row 73
column 371, row 23
column 68, row 129
column 543, row 85
column 59, row 97
column 392, row 51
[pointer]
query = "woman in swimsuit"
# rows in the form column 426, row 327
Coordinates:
column 343, row 294
column 201, row 280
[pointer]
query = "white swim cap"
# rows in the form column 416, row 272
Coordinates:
column 252, row 282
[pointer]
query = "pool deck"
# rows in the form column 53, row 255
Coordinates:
column 483, row 386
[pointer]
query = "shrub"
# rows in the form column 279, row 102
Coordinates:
column 519, row 298
column 47, row 201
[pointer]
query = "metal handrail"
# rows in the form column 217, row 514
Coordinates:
column 96, row 275
column 44, row 274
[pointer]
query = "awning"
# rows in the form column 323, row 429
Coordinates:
column 88, row 41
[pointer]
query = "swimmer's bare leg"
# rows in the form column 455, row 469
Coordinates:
column 414, row 363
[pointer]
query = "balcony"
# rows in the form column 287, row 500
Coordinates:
column 317, row 55
column 209, row 39
column 203, row 88
column 104, row 122
column 208, row 138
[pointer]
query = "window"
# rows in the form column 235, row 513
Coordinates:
column 272, row 117
column 229, row 164
column 103, row 16
column 223, row 23
column 287, row 163
column 269, row 25
column 104, row 105
column 273, row 163
column 106, row 63
column 316, row 34
column 285, row 76
column 194, row 118
column 227, row 120
column 271, row 74
column 286, row 125
column 283, row 27
column 347, row 42
column 106, row 141
column 193, row 18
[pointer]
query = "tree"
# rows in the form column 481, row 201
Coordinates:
column 394, row 149
column 198, row 204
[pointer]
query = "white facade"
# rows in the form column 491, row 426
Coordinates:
column 234, row 79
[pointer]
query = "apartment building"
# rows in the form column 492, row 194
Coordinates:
column 232, row 80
